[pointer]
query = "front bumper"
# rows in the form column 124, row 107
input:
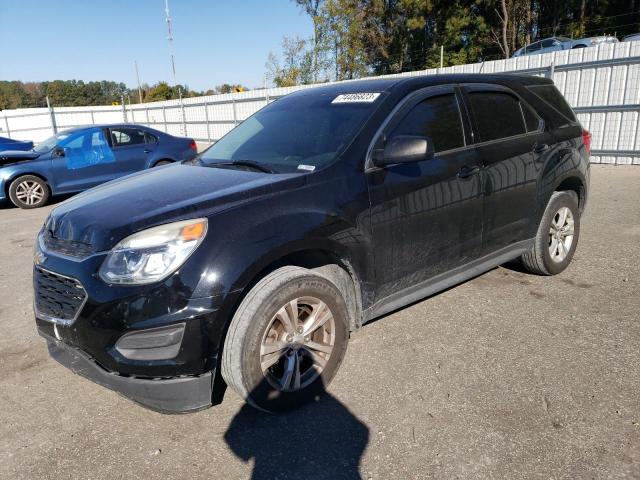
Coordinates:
column 167, row 395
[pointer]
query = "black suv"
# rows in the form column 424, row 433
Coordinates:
column 332, row 206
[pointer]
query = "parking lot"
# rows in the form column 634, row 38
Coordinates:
column 505, row 376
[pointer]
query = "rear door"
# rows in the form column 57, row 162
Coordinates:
column 426, row 216
column 133, row 147
column 512, row 145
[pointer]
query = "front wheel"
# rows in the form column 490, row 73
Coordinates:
column 286, row 340
column 28, row 191
column 557, row 236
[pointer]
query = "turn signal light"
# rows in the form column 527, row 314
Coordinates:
column 193, row 146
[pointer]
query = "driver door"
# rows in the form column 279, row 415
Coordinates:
column 426, row 216
column 82, row 160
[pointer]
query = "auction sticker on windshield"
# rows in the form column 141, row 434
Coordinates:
column 362, row 97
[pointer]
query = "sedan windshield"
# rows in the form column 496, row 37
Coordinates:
column 294, row 134
column 50, row 143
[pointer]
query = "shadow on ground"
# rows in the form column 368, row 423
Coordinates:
column 323, row 440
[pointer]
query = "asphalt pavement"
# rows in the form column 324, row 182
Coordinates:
column 508, row 375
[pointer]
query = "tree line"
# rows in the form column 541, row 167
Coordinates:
column 355, row 38
column 69, row 93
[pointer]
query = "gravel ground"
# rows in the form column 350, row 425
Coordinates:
column 508, row 375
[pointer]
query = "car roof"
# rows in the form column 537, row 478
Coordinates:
column 104, row 125
column 390, row 84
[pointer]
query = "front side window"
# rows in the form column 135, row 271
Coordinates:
column 295, row 134
column 497, row 115
column 437, row 118
column 87, row 149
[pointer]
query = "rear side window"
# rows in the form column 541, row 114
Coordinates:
column 121, row 137
column 497, row 115
column 550, row 95
column 437, row 118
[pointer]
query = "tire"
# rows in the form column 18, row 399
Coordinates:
column 162, row 162
column 578, row 46
column 29, row 191
column 255, row 330
column 540, row 259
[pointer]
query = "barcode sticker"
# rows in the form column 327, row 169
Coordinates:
column 362, row 97
column 309, row 168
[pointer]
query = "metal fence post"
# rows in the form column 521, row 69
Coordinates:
column 164, row 119
column 124, row 110
column 6, row 122
column 146, row 110
column 52, row 115
column 552, row 69
column 93, row 120
column 206, row 119
column 184, row 120
column 235, row 114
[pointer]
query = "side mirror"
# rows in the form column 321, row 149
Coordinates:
column 58, row 152
column 404, row 149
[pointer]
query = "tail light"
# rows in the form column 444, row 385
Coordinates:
column 193, row 146
column 586, row 139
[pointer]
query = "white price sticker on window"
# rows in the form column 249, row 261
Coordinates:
column 361, row 97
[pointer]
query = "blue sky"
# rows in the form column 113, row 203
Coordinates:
column 215, row 41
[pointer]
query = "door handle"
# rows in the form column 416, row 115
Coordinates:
column 466, row 171
column 146, row 150
column 540, row 148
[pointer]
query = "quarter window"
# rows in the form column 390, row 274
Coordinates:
column 497, row 115
column 437, row 118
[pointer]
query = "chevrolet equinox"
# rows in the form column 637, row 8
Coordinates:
column 250, row 265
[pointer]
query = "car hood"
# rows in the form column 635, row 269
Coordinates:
column 13, row 156
column 106, row 214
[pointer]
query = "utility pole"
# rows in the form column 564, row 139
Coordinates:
column 170, row 39
column 135, row 62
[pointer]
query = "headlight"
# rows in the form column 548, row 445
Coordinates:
column 154, row 254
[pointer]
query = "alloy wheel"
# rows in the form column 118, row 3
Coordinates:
column 561, row 234
column 297, row 344
column 29, row 192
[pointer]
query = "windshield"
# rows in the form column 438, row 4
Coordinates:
column 50, row 143
column 294, row 134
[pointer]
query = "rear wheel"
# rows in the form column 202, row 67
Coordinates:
column 286, row 340
column 28, row 191
column 557, row 236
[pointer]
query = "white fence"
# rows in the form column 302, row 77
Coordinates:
column 601, row 83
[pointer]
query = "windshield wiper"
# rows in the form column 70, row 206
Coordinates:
column 242, row 163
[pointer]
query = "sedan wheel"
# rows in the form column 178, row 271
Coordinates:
column 28, row 191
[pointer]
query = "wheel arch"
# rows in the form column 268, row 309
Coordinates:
column 574, row 184
column 326, row 262
column 155, row 162
column 14, row 177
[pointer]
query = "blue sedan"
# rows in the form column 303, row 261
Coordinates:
column 81, row 158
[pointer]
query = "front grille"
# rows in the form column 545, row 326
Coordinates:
column 70, row 248
column 57, row 298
